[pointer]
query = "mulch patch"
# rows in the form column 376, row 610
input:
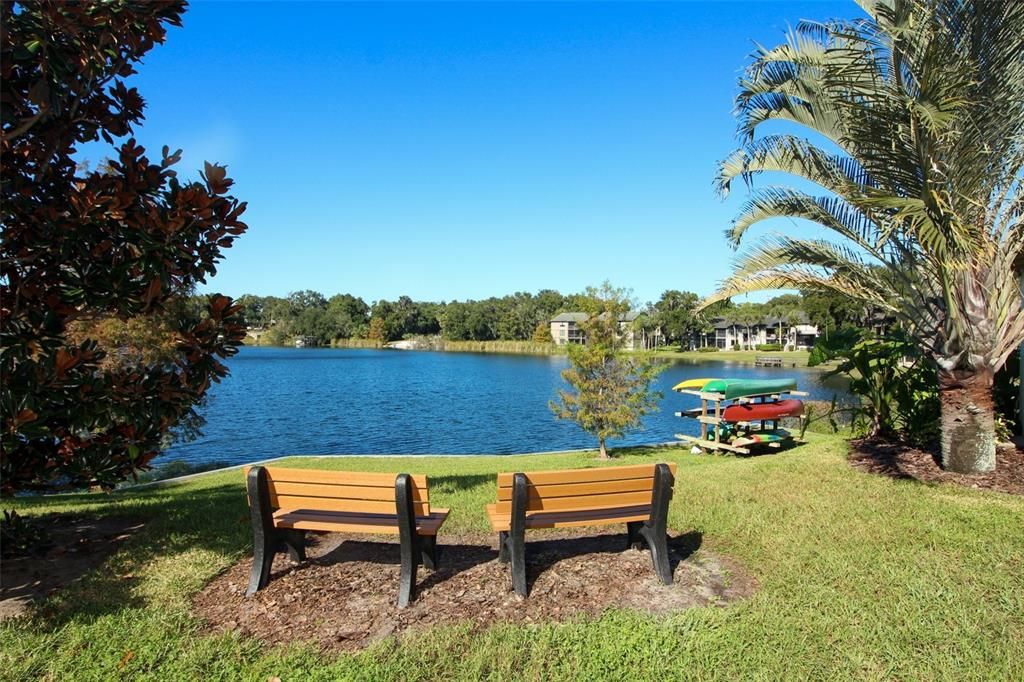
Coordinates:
column 344, row 596
column 75, row 546
column 899, row 460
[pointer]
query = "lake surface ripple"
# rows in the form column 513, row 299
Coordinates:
column 320, row 401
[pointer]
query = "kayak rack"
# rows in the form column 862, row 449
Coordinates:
column 710, row 415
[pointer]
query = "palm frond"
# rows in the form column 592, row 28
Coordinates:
column 924, row 101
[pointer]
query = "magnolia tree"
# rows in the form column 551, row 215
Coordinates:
column 609, row 388
column 89, row 255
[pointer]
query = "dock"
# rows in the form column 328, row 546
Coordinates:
column 769, row 361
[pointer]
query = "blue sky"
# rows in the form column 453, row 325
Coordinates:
column 453, row 151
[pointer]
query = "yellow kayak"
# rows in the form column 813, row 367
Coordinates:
column 691, row 384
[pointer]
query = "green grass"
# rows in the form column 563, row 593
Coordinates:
column 517, row 347
column 744, row 356
column 859, row 577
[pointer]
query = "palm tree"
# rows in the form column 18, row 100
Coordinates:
column 748, row 315
column 917, row 116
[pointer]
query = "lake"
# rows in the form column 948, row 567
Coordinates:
column 319, row 401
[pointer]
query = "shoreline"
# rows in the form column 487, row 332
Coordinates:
column 791, row 359
column 188, row 477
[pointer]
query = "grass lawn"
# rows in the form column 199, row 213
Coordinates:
column 859, row 577
column 745, row 356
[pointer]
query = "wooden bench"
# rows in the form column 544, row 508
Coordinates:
column 285, row 503
column 635, row 495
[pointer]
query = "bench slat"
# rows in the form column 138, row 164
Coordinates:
column 626, row 485
column 351, row 492
column 358, row 478
column 583, row 502
column 590, row 475
column 565, row 519
column 356, row 523
column 296, row 502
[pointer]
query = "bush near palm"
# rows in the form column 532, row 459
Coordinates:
column 899, row 392
column 917, row 117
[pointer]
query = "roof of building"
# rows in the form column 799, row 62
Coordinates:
column 570, row 317
column 724, row 323
column 582, row 317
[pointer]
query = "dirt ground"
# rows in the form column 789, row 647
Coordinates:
column 903, row 461
column 76, row 545
column 344, row 596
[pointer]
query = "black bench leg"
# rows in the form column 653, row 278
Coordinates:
column 659, row 553
column 265, row 537
column 263, row 557
column 410, row 541
column 655, row 530
column 517, row 535
column 633, row 540
column 295, row 541
column 407, row 581
column 428, row 551
column 503, row 546
column 518, row 552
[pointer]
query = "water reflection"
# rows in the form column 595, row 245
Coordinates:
column 282, row 401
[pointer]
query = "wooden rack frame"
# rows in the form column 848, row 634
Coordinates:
column 715, row 420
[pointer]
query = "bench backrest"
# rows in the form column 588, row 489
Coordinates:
column 341, row 491
column 579, row 489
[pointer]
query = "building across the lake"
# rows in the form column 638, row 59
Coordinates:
column 565, row 328
column 791, row 334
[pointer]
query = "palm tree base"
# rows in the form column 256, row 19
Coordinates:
column 968, row 429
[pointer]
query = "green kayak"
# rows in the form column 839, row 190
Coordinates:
column 745, row 388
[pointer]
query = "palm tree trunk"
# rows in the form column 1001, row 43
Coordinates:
column 968, row 427
column 1020, row 387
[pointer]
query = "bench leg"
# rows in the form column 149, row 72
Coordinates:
column 517, row 534
column 633, row 540
column 409, row 540
column 264, row 536
column 658, row 542
column 518, row 552
column 295, row 542
column 407, row 581
column 503, row 546
column 428, row 551
column 655, row 530
column 262, row 558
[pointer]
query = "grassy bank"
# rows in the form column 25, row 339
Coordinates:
column 436, row 343
column 520, row 347
column 797, row 357
column 859, row 577
column 356, row 343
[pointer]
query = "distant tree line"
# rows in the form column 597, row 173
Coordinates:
column 522, row 316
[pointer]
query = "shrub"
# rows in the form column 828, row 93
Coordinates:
column 177, row 467
column 836, row 345
column 1006, row 392
column 708, row 349
column 824, row 416
column 769, row 346
column 898, row 388
column 20, row 536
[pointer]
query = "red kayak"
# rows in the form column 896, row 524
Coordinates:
column 755, row 412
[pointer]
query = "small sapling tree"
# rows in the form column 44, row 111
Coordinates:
column 609, row 388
